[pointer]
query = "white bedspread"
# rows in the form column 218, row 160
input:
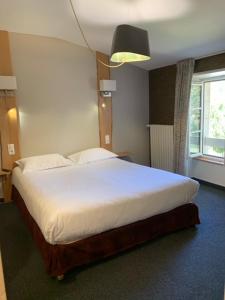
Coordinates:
column 75, row 202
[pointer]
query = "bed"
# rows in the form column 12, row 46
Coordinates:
column 82, row 213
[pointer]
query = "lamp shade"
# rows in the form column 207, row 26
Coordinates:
column 130, row 44
column 8, row 83
column 107, row 85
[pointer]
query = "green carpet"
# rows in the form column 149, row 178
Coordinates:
column 189, row 264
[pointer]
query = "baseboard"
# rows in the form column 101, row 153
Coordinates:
column 221, row 187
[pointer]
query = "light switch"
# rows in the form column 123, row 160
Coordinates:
column 11, row 149
column 107, row 139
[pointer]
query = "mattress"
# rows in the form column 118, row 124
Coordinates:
column 75, row 202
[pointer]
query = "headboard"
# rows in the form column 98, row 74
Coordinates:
column 74, row 104
column 57, row 98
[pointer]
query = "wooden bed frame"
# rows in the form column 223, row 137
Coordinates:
column 59, row 259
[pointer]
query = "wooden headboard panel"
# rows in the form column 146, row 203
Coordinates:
column 9, row 124
column 104, row 111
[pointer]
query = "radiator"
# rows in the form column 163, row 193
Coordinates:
column 161, row 145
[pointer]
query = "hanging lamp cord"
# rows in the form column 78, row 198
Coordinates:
column 86, row 41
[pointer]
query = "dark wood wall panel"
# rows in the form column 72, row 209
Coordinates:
column 162, row 88
column 162, row 95
column 210, row 63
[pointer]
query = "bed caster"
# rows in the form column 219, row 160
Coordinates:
column 60, row 277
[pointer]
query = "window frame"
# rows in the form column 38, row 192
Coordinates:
column 213, row 79
column 201, row 131
column 201, row 122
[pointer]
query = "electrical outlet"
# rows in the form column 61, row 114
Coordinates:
column 107, row 139
column 11, row 149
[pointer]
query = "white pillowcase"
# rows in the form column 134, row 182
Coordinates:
column 91, row 155
column 43, row 162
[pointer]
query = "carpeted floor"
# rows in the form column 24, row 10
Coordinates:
column 189, row 264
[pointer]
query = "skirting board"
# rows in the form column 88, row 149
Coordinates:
column 210, row 184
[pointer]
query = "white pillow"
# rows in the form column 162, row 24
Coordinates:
column 43, row 162
column 91, row 155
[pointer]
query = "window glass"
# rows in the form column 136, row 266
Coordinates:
column 214, row 118
column 195, row 100
column 195, row 130
column 195, row 143
column 195, row 120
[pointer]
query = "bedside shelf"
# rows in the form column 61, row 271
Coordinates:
column 3, row 173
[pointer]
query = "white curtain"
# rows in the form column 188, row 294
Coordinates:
column 184, row 75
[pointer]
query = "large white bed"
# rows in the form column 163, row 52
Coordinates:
column 78, row 201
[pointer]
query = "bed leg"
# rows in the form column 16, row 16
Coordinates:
column 60, row 277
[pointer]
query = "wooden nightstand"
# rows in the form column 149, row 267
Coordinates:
column 6, row 185
column 122, row 154
column 125, row 155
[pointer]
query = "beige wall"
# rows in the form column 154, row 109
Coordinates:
column 131, row 112
column 57, row 99
column 56, row 95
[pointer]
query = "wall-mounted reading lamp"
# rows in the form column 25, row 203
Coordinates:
column 7, row 85
column 106, row 87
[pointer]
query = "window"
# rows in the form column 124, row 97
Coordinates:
column 207, row 116
column 195, row 127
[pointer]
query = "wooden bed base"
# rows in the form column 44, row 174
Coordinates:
column 59, row 259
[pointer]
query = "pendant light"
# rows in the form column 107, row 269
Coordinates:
column 130, row 44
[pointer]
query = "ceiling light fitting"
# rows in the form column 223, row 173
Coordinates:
column 130, row 44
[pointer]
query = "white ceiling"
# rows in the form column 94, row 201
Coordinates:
column 177, row 28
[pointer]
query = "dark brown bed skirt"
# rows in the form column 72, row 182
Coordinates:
column 59, row 259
